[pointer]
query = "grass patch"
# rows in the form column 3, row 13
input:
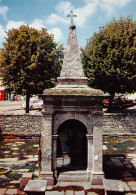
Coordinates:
column 120, row 145
column 14, row 176
column 25, row 147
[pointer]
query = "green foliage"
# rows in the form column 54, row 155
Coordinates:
column 30, row 60
column 109, row 58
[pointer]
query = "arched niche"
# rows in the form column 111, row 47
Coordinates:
column 72, row 146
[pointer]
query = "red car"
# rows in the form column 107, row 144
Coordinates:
column 119, row 102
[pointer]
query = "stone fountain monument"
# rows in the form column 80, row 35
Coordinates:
column 71, row 138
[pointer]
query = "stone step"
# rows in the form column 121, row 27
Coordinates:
column 80, row 176
column 71, row 192
column 77, row 186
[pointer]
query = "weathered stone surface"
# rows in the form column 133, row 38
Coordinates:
column 97, row 150
column 72, row 100
column 69, row 192
column 115, row 185
column 77, row 185
column 36, row 186
column 14, row 149
column 132, row 185
column 118, row 123
column 79, row 192
column 133, row 155
column 15, row 182
column 54, row 193
column 24, row 124
column 8, row 159
column 97, row 181
column 111, row 123
column 80, row 90
column 72, row 66
column 2, row 191
column 23, row 170
column 34, row 159
column 72, row 80
column 25, row 178
column 46, row 144
column 12, row 192
column 75, row 177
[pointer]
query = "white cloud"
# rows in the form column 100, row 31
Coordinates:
column 3, row 34
column 37, row 24
column 58, row 35
column 111, row 5
column 3, row 11
column 13, row 24
column 2, row 30
column 85, row 12
column 91, row 1
column 55, row 19
column 64, row 7
column 116, row 2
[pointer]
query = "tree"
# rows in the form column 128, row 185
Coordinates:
column 109, row 58
column 30, row 61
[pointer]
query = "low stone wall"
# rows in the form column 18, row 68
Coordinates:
column 113, row 124
column 21, row 124
column 119, row 123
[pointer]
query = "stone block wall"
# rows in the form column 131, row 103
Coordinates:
column 24, row 124
column 119, row 123
column 113, row 123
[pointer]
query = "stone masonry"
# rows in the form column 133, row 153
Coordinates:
column 21, row 124
column 113, row 123
column 71, row 101
column 119, row 123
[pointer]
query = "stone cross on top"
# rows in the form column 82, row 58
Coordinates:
column 72, row 16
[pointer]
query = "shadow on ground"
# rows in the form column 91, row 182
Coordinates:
column 119, row 167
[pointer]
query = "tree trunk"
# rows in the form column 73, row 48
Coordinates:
column 111, row 98
column 27, row 102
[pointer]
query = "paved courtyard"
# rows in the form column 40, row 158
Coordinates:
column 19, row 161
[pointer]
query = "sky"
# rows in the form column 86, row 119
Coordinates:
column 52, row 15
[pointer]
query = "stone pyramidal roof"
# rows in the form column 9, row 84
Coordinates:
column 72, row 80
column 72, row 66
